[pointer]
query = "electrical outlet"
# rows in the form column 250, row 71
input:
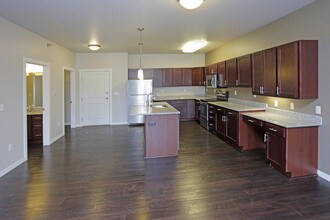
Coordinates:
column 292, row 106
column 275, row 103
column 254, row 96
column 10, row 147
column 235, row 92
column 318, row 109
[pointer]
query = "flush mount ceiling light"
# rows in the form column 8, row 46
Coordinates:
column 94, row 46
column 190, row 4
column 140, row 71
column 193, row 46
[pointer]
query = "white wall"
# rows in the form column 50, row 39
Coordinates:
column 311, row 22
column 118, row 63
column 166, row 60
column 16, row 43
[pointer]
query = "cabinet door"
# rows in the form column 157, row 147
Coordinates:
column 257, row 72
column 158, row 77
column 244, row 71
column 220, row 127
column 287, row 70
column 275, row 151
column 190, row 109
column 181, row 106
column 187, row 77
column 222, row 73
column 212, row 69
column 231, row 72
column 168, row 77
column 177, row 79
column 232, row 126
column 197, row 76
column 270, row 66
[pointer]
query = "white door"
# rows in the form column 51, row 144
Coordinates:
column 96, row 98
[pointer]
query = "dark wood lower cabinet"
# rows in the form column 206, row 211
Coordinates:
column 232, row 126
column 293, row 151
column 34, row 129
column 185, row 107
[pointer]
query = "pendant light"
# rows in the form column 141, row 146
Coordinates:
column 140, row 71
column 190, row 4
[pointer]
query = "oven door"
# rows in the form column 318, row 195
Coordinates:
column 204, row 114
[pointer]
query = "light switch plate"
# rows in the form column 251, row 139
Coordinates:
column 1, row 108
column 318, row 109
column 292, row 106
column 275, row 103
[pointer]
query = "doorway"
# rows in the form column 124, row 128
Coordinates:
column 69, row 105
column 95, row 99
column 37, row 98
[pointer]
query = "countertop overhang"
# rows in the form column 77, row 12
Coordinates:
column 148, row 110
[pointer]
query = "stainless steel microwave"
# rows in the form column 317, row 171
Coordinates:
column 211, row 81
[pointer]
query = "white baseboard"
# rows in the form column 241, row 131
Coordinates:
column 11, row 167
column 119, row 123
column 56, row 138
column 323, row 175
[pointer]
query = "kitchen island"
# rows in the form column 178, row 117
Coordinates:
column 161, row 129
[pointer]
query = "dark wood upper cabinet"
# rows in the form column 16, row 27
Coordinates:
column 177, row 77
column 212, row 69
column 244, row 71
column 264, row 72
column 297, row 70
column 187, row 76
column 197, row 76
column 158, row 77
column 168, row 77
column 231, row 72
column 222, row 73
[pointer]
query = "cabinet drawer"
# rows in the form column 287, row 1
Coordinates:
column 274, row 129
column 231, row 113
column 253, row 121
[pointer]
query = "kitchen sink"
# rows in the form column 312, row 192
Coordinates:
column 158, row 106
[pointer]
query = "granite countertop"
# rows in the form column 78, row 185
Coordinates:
column 35, row 111
column 149, row 110
column 237, row 107
column 292, row 121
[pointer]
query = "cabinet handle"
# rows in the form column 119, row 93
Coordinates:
column 37, row 135
column 211, row 112
column 211, row 124
column 250, row 120
column 225, row 82
column 273, row 129
column 236, row 82
column 37, row 125
column 277, row 90
column 211, row 117
column 219, row 110
column 265, row 137
column 260, row 90
column 230, row 113
column 224, row 118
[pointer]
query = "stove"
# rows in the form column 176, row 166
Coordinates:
column 222, row 96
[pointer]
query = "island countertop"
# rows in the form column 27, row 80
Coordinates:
column 154, row 109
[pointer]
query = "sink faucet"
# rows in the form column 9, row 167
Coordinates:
column 150, row 99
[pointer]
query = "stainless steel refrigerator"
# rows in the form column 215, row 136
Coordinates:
column 137, row 94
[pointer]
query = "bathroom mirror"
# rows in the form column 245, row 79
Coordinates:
column 34, row 89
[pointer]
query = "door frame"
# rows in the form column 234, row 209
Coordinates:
column 45, row 101
column 72, row 96
column 81, row 72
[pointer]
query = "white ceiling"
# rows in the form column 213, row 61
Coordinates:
column 113, row 23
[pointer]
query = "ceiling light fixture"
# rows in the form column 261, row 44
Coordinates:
column 193, row 46
column 94, row 46
column 140, row 71
column 190, row 4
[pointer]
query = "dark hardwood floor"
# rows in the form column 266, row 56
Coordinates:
column 100, row 173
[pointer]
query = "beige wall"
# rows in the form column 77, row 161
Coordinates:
column 117, row 62
column 311, row 22
column 166, row 60
column 17, row 43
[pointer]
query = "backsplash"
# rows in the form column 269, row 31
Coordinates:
column 186, row 90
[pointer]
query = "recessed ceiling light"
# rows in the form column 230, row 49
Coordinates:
column 193, row 46
column 190, row 4
column 94, row 46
